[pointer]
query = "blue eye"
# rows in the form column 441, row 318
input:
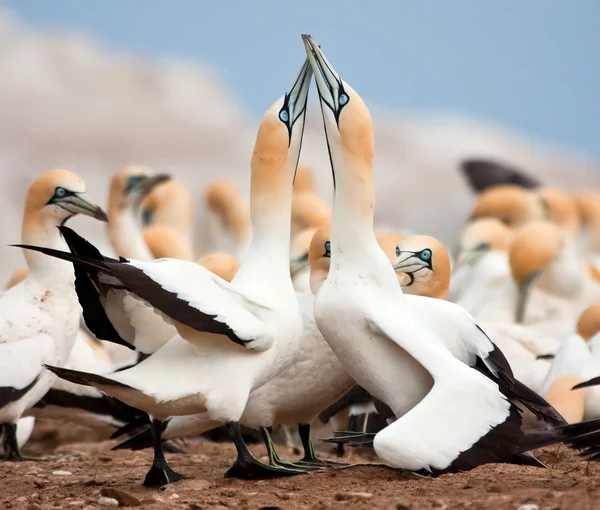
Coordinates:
column 425, row 255
column 60, row 192
column 284, row 116
column 397, row 251
column 343, row 99
column 147, row 216
column 327, row 248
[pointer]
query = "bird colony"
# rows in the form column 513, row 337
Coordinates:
column 438, row 360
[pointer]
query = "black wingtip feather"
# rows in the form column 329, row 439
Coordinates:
column 84, row 378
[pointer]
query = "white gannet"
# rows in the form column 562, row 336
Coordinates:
column 553, row 281
column 228, row 218
column 312, row 382
column 40, row 315
column 413, row 357
column 481, row 263
column 576, row 361
column 128, row 188
column 83, row 405
column 232, row 337
column 170, row 205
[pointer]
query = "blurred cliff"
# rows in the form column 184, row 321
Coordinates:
column 67, row 102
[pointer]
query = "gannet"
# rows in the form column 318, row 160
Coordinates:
column 170, row 205
column 482, row 272
column 396, row 349
column 228, row 219
column 482, row 174
column 40, row 315
column 232, row 338
column 552, row 279
column 576, row 361
column 128, row 188
column 296, row 395
column 82, row 405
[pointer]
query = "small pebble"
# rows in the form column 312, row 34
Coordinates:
column 61, row 473
column 404, row 506
column 104, row 501
column 174, row 496
column 124, row 498
column 529, row 506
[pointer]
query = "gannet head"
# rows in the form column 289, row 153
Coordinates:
column 299, row 250
column 561, row 208
column 319, row 257
column 426, row 262
column 58, row 195
column 130, row 185
column 347, row 121
column 278, row 142
column 533, row 248
column 511, row 204
column 304, row 181
column 223, row 265
column 588, row 324
column 166, row 242
column 169, row 203
column 225, row 200
column 481, row 236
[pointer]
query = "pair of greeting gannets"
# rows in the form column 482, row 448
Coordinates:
column 40, row 316
column 393, row 348
column 232, row 337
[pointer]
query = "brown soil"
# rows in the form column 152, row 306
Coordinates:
column 569, row 483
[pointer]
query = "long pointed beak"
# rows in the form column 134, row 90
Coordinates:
column 297, row 95
column 79, row 204
column 328, row 81
column 523, row 296
column 408, row 262
column 150, row 182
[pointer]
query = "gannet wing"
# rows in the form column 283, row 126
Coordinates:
column 21, row 365
column 461, row 412
column 183, row 291
column 469, row 343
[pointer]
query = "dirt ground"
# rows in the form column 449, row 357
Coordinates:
column 87, row 470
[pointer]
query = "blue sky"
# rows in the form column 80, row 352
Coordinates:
column 533, row 65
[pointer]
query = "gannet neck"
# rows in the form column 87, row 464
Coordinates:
column 273, row 167
column 565, row 275
column 270, row 210
column 40, row 229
